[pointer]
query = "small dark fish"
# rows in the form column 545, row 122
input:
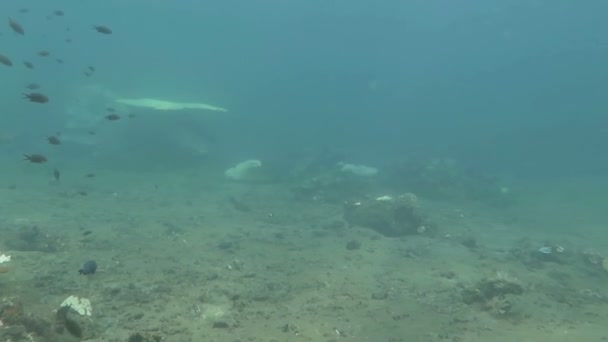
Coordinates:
column 33, row 86
column 68, row 40
column 53, row 140
column 16, row 26
column 5, row 60
column 44, row 53
column 83, row 193
column 24, row 10
column 36, row 97
column 56, row 175
column 59, row 60
column 113, row 117
column 88, row 72
column 102, row 29
column 35, row 158
column 92, row 132
column 28, row 65
column 58, row 13
column 90, row 175
column 87, row 233
column 89, row 267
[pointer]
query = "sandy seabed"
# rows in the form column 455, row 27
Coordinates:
column 177, row 259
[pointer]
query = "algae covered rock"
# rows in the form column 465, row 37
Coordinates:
column 493, row 294
column 388, row 216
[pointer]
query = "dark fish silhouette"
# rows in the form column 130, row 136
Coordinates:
column 102, row 29
column 35, row 158
column 16, row 26
column 36, row 97
column 5, row 60
column 89, row 267
column 53, row 140
column 56, row 175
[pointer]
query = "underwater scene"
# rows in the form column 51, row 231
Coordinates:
column 269, row 171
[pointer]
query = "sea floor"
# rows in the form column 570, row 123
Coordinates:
column 178, row 260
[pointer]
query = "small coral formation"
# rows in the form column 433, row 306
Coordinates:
column 388, row 216
column 491, row 294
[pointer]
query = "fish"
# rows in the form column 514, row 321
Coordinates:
column 36, row 97
column 35, row 158
column 89, row 267
column 113, row 117
column 56, row 175
column 89, row 71
column 53, row 140
column 44, row 53
column 164, row 105
column 102, row 29
column 15, row 26
column 5, row 60
column 28, row 65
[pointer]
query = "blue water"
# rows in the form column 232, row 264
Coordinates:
column 517, row 85
column 453, row 100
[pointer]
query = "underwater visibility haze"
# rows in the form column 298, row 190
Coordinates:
column 303, row 170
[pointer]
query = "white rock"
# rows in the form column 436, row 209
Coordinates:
column 242, row 169
column 80, row 305
column 4, row 258
column 359, row 170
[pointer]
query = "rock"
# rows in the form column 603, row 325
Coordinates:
column 395, row 217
